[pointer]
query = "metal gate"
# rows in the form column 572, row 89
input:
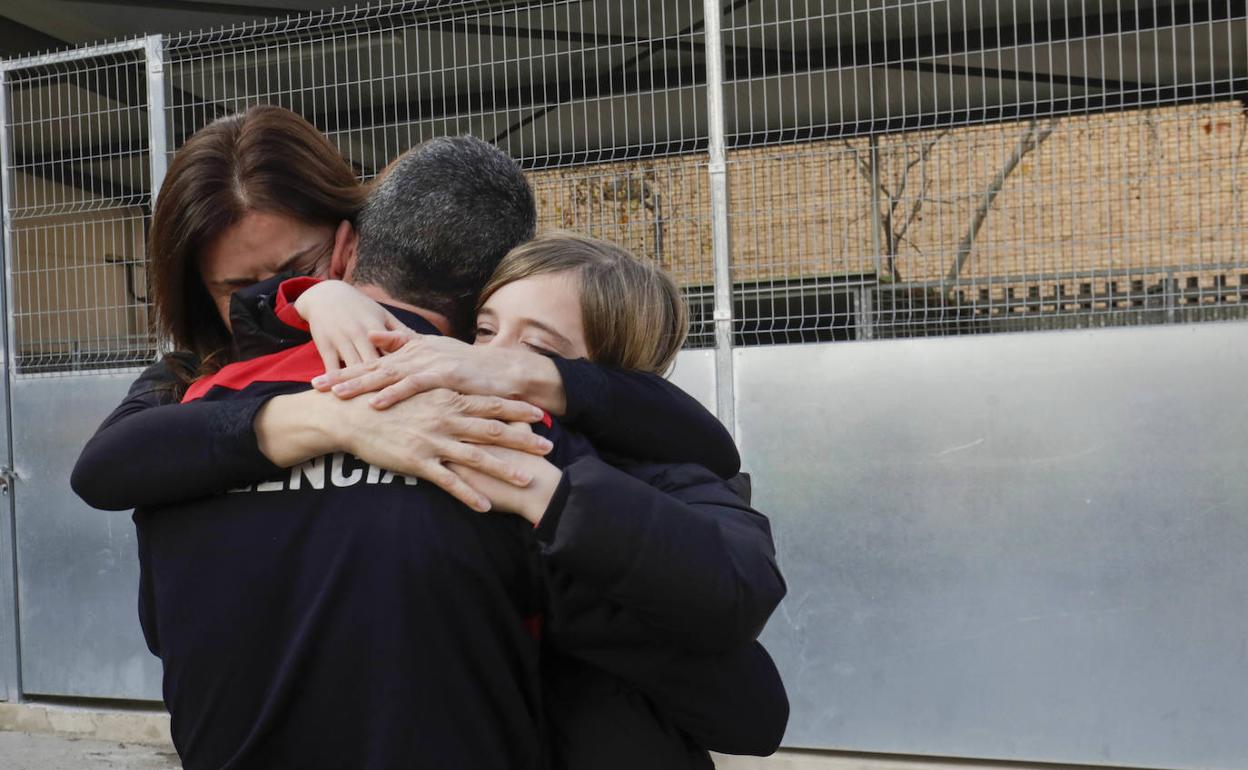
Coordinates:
column 80, row 165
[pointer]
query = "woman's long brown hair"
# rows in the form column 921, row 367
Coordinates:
column 267, row 159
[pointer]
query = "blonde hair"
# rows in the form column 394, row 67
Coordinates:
column 633, row 314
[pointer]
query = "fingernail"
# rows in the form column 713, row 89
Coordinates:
column 341, row 388
column 544, row 444
column 320, row 382
column 537, row 413
column 483, row 505
column 377, row 402
column 522, row 478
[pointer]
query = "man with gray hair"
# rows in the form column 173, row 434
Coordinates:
column 337, row 614
column 437, row 223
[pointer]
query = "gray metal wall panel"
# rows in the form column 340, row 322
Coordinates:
column 77, row 571
column 695, row 374
column 1019, row 546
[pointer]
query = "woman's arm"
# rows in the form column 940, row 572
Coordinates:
column 628, row 413
column 152, row 451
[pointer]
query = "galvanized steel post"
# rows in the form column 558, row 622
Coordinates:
column 6, row 209
column 725, row 389
column 157, row 145
column 10, row 653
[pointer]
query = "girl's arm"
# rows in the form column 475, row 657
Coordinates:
column 641, row 415
column 628, row 413
column 672, row 545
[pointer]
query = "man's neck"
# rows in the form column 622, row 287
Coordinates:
column 439, row 321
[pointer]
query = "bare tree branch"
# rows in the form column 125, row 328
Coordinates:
column 1033, row 136
column 864, row 168
column 1239, row 148
column 921, row 198
column 894, row 234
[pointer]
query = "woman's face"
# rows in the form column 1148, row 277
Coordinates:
column 542, row 313
column 260, row 246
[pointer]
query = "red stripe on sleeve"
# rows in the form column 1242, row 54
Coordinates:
column 297, row 364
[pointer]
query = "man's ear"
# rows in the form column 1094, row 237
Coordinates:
column 342, row 262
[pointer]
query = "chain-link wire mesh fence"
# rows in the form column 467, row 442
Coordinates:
column 893, row 169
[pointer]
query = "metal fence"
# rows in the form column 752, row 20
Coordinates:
column 810, row 171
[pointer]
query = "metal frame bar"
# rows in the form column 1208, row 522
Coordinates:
column 717, row 169
column 157, row 139
column 10, row 617
column 6, row 208
column 157, row 146
column 73, row 54
column 230, row 9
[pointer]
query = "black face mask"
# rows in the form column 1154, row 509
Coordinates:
column 256, row 328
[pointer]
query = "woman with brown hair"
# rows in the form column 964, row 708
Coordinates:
column 249, row 197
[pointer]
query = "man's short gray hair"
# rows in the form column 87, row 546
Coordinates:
column 439, row 221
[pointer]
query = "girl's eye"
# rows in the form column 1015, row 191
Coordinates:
column 484, row 332
column 539, row 349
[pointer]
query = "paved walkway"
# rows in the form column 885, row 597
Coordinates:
column 19, row 751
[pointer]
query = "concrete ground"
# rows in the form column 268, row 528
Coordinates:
column 23, row 751
column 50, row 736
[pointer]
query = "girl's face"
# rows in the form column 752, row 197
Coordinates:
column 541, row 313
column 258, row 247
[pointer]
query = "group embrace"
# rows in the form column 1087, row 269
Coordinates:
column 413, row 491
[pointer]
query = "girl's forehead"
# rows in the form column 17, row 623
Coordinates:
column 537, row 292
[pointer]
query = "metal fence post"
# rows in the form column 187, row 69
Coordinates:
column 725, row 385
column 157, row 142
column 157, row 146
column 10, row 649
